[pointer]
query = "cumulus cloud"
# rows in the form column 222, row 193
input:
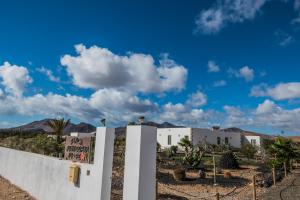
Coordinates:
column 270, row 114
column 49, row 74
column 281, row 91
column 245, row 72
column 219, row 83
column 99, row 68
column 14, row 78
column 197, row 99
column 225, row 12
column 212, row 66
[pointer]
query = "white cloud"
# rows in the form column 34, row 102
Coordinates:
column 281, row 91
column 99, row 68
column 245, row 72
column 220, row 83
column 197, row 99
column 49, row 74
column 212, row 66
column 225, row 12
column 283, row 39
column 266, row 107
column 14, row 78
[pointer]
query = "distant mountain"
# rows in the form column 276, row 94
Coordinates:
column 41, row 126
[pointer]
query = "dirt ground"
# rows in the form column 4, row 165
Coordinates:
column 235, row 188
column 11, row 192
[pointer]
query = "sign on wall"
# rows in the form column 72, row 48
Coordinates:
column 78, row 149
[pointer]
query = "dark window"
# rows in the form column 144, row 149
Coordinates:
column 226, row 140
column 253, row 142
column 169, row 139
column 218, row 140
column 186, row 137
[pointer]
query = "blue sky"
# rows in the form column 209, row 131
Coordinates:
column 195, row 63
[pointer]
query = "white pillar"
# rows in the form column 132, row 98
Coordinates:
column 103, row 160
column 140, row 163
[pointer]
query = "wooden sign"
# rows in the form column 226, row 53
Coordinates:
column 78, row 149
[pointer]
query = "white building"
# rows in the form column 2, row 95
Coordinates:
column 255, row 139
column 77, row 134
column 167, row 137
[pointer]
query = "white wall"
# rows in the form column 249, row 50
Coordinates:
column 201, row 136
column 176, row 135
column 140, row 163
column 46, row 178
column 197, row 136
column 234, row 138
column 247, row 140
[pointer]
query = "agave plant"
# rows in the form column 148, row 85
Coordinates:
column 58, row 126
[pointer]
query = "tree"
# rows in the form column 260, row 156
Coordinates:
column 228, row 161
column 282, row 150
column 248, row 150
column 58, row 126
column 172, row 151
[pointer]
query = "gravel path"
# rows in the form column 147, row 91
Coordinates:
column 288, row 189
column 9, row 191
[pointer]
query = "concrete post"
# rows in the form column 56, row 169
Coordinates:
column 103, row 160
column 140, row 163
column 215, row 171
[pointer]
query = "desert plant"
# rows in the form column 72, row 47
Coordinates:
column 179, row 174
column 58, row 126
column 228, row 161
column 172, row 151
column 248, row 150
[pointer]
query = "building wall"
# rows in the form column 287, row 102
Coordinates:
column 176, row 135
column 234, row 138
column 197, row 136
column 201, row 136
column 247, row 140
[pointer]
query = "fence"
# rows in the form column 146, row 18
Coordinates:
column 46, row 178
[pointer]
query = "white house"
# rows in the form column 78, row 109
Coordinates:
column 255, row 139
column 77, row 134
column 167, row 137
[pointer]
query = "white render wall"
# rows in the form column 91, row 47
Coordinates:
column 247, row 140
column 176, row 135
column 140, row 163
column 197, row 136
column 46, row 178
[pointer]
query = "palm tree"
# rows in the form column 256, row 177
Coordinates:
column 58, row 126
column 282, row 149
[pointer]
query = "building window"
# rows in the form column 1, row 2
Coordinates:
column 218, row 140
column 226, row 140
column 186, row 137
column 169, row 139
column 253, row 142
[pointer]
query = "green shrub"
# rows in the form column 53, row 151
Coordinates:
column 248, row 150
column 228, row 161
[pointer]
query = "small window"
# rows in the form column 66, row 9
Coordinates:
column 226, row 140
column 169, row 139
column 186, row 137
column 253, row 142
column 218, row 140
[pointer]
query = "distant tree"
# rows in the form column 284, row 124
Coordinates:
column 58, row 126
column 228, row 161
column 172, row 151
column 282, row 150
column 248, row 150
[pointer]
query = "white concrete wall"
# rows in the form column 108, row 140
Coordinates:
column 202, row 136
column 176, row 135
column 46, row 178
column 140, row 163
column 234, row 138
column 247, row 140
